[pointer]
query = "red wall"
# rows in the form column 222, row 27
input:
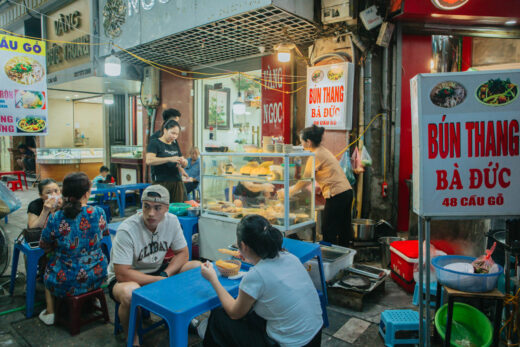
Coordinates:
column 416, row 56
column 176, row 93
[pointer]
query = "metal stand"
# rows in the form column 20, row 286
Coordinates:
column 424, row 331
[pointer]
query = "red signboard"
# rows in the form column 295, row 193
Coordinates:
column 276, row 98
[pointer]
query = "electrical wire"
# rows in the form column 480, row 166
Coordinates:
column 360, row 136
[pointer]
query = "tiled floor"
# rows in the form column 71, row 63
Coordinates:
column 347, row 327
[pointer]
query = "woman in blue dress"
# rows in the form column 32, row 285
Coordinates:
column 74, row 233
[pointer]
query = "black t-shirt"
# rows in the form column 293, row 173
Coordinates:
column 168, row 171
column 35, row 207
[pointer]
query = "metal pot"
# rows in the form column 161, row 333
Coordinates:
column 363, row 229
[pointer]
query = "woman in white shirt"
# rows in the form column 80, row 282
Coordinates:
column 277, row 302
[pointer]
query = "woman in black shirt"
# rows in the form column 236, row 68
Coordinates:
column 164, row 155
column 48, row 202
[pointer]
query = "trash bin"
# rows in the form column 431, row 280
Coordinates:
column 384, row 243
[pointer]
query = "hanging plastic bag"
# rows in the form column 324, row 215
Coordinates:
column 366, row 159
column 357, row 166
column 346, row 165
column 8, row 201
column 484, row 264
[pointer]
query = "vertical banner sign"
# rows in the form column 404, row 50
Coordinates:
column 329, row 96
column 465, row 135
column 23, row 94
column 276, row 98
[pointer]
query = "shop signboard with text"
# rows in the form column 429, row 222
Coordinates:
column 465, row 138
column 329, row 96
column 276, row 98
column 23, row 95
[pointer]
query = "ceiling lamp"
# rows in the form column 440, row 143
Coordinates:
column 239, row 107
column 112, row 65
column 283, row 51
column 108, row 99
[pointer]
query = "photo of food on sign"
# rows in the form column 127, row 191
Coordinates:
column 317, row 76
column 448, row 94
column 24, row 70
column 30, row 124
column 497, row 92
column 30, row 99
column 335, row 74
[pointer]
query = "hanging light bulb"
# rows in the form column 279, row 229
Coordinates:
column 283, row 52
column 112, row 65
column 239, row 107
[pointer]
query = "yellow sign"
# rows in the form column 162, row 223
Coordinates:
column 21, row 45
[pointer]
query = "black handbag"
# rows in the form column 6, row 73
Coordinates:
column 32, row 234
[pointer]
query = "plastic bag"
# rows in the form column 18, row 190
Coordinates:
column 8, row 201
column 357, row 166
column 346, row 165
column 366, row 159
column 434, row 252
column 484, row 263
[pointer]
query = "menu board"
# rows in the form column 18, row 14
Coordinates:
column 329, row 96
column 465, row 136
column 23, row 95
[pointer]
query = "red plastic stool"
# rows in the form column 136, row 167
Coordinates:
column 15, row 185
column 75, row 307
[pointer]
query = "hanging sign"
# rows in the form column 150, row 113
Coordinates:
column 465, row 135
column 329, row 96
column 276, row 98
column 23, row 95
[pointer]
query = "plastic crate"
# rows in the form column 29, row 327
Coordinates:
column 403, row 257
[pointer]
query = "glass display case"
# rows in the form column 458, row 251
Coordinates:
column 234, row 185
column 69, row 155
column 127, row 152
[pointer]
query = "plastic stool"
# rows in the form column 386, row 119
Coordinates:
column 140, row 330
column 190, row 226
column 399, row 327
column 433, row 294
column 75, row 304
column 106, row 246
column 33, row 255
column 15, row 185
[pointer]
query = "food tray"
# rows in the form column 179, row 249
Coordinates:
column 466, row 282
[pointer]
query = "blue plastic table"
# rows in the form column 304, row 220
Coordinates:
column 122, row 194
column 112, row 227
column 107, row 192
column 190, row 295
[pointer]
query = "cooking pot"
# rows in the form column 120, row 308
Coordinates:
column 363, row 229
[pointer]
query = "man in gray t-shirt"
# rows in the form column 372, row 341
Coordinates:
column 140, row 246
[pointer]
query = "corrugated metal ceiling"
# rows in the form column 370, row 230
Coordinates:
column 231, row 38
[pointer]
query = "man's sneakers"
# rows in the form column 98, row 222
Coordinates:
column 201, row 329
column 46, row 318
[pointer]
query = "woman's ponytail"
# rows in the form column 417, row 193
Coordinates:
column 75, row 185
column 259, row 235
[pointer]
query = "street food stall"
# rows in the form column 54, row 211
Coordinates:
column 225, row 200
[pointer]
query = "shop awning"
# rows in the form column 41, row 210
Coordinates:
column 222, row 37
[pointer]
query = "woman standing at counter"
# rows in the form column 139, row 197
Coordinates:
column 334, row 185
column 164, row 155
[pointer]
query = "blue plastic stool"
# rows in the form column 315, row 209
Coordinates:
column 106, row 246
column 33, row 255
column 190, row 226
column 433, row 294
column 402, row 322
column 140, row 330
